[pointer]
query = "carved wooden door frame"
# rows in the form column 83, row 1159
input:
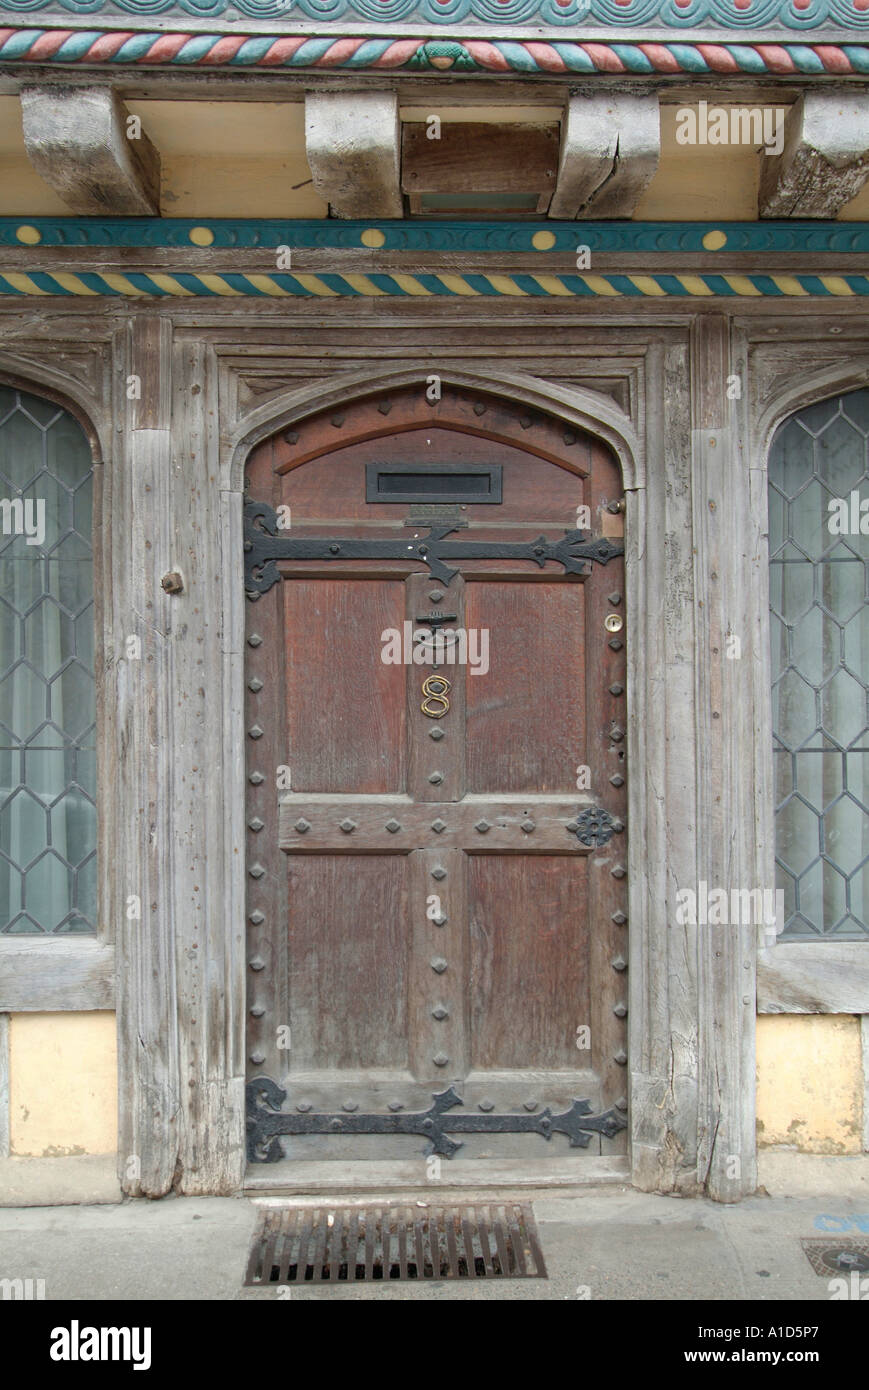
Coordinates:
column 691, row 1024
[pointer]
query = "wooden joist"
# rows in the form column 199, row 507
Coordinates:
column 610, row 147
column 352, row 142
column 825, row 159
column 86, row 146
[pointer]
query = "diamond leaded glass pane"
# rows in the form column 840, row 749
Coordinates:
column 47, row 701
column 819, row 634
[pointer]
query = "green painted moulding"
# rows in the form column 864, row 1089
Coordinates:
column 215, row 234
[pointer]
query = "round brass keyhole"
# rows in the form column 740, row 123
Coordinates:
column 613, row 622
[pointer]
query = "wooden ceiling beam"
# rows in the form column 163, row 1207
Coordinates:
column 610, row 147
column 352, row 144
column 824, row 161
column 86, row 146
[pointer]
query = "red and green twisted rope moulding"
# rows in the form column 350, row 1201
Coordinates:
column 526, row 56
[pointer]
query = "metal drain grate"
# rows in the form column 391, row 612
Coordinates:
column 329, row 1245
column 832, row 1256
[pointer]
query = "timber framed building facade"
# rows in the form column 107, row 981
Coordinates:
column 242, row 259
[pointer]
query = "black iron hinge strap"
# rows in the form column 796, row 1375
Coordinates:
column 265, row 544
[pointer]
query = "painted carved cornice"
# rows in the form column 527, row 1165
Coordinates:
column 111, row 49
column 739, row 16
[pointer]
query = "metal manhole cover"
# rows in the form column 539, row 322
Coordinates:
column 832, row 1256
column 329, row 1245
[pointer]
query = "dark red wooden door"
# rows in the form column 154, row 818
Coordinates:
column 423, row 912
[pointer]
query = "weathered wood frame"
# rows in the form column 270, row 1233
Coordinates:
column 810, row 976
column 217, row 379
column 69, row 972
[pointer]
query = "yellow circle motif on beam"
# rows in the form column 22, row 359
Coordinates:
column 713, row 241
column 543, row 241
column 201, row 236
column 30, row 236
column 372, row 236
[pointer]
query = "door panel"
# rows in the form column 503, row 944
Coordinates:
column 337, row 682
column 529, row 960
column 436, row 870
column 348, row 939
column 526, row 716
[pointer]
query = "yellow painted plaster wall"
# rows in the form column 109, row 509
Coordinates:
column 699, row 183
column 63, row 1084
column 858, row 208
column 810, row 1082
column 22, row 191
column 231, row 158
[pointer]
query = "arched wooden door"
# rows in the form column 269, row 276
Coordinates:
column 436, row 863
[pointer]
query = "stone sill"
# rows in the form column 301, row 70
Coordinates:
column 84, row 1179
column 788, row 1173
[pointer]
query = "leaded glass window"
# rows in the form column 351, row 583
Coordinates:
column 819, row 625
column 47, row 703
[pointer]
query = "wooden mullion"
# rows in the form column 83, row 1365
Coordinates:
column 5, row 1127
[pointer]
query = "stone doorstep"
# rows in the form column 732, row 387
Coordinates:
column 91, row 1179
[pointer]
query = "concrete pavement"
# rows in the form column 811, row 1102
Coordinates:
column 599, row 1244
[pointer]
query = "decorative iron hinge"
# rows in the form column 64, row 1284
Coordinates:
column 266, row 1120
column 265, row 544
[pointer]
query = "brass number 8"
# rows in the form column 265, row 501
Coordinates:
column 435, row 689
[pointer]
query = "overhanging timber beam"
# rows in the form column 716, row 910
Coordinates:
column 86, row 146
column 824, row 160
column 352, row 143
column 610, row 147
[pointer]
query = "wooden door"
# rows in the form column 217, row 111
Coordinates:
column 437, row 850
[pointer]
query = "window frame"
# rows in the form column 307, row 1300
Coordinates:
column 818, row 976
column 70, row 972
